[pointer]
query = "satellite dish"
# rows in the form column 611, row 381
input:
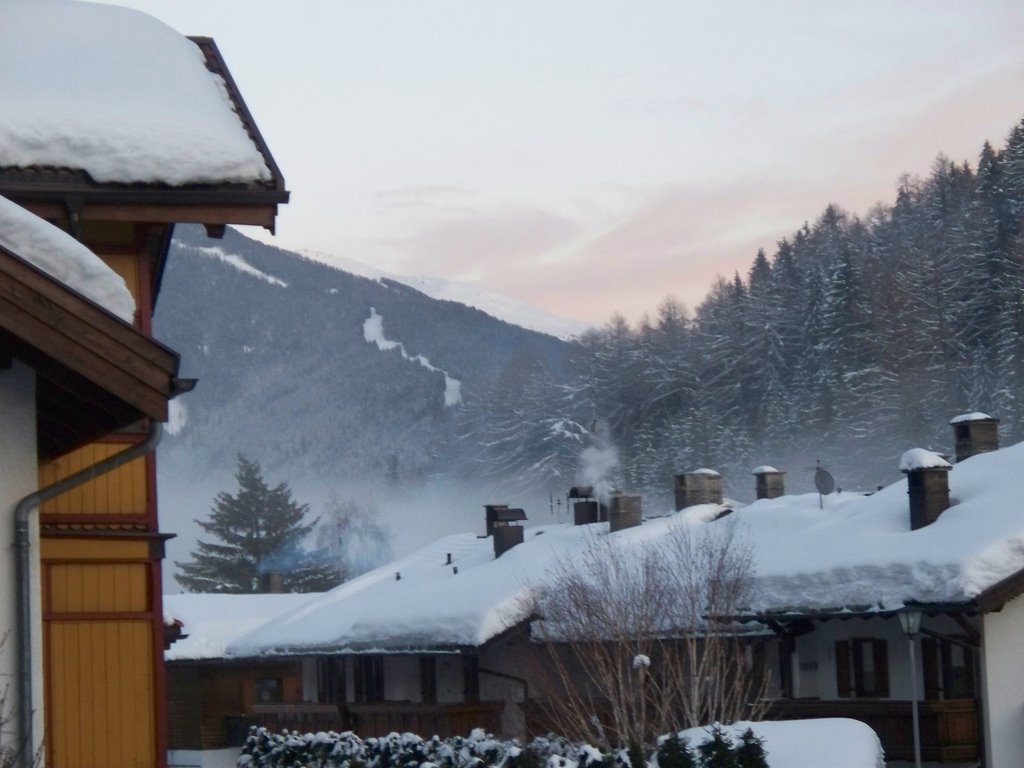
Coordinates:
column 824, row 481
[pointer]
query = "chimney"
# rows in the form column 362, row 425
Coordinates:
column 586, row 509
column 975, row 433
column 272, row 582
column 500, row 521
column 702, row 486
column 927, row 485
column 769, row 483
column 624, row 512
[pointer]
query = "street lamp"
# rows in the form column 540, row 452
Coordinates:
column 910, row 623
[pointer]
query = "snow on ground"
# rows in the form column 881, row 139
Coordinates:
column 856, row 552
column 494, row 304
column 118, row 94
column 835, row 742
column 63, row 258
column 213, row 621
column 373, row 332
column 240, row 264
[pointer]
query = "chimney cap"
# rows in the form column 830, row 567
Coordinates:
column 581, row 492
column 507, row 515
column 918, row 458
column 975, row 416
column 705, row 471
column 764, row 469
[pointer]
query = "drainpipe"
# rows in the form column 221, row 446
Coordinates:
column 26, row 706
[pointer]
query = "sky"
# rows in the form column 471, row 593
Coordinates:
column 595, row 156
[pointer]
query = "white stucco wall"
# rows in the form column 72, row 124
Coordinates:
column 18, row 478
column 1002, row 671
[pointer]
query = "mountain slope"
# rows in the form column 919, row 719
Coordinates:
column 317, row 372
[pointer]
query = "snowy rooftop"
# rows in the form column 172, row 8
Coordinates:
column 117, row 94
column 213, row 621
column 857, row 553
column 63, row 258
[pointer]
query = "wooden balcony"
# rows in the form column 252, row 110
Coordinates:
column 949, row 729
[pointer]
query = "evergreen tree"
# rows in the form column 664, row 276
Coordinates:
column 260, row 531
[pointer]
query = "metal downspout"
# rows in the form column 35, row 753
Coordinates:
column 26, row 706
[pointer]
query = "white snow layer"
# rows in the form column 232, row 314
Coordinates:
column 213, row 621
column 240, row 264
column 118, row 94
column 63, row 258
column 974, row 416
column 764, row 469
column 373, row 332
column 858, row 552
column 833, row 741
column 920, row 458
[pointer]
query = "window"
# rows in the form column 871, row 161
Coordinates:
column 862, row 668
column 948, row 669
column 368, row 676
column 269, row 691
column 428, row 679
column 330, row 673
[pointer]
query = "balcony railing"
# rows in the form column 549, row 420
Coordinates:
column 949, row 729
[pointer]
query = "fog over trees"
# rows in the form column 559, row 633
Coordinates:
column 857, row 338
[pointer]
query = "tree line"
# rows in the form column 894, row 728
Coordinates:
column 857, row 338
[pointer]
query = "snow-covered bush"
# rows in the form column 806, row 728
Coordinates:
column 290, row 749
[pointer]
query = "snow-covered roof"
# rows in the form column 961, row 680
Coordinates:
column 764, row 469
column 920, row 458
column 857, row 553
column 63, row 258
column 211, row 622
column 705, row 471
column 974, row 416
column 115, row 93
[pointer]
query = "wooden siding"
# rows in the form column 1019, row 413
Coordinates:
column 123, row 491
column 101, row 710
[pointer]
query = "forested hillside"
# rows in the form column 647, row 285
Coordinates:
column 857, row 338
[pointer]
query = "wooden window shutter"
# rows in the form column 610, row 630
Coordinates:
column 930, row 668
column 881, row 659
column 843, row 668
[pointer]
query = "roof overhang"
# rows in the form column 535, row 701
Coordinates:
column 55, row 193
column 94, row 372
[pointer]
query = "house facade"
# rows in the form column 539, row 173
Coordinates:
column 441, row 640
column 112, row 154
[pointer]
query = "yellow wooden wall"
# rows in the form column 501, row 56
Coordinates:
column 120, row 492
column 99, row 646
column 101, row 610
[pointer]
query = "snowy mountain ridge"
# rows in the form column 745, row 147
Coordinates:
column 497, row 305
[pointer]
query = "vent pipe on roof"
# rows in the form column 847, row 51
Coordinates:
column 927, row 485
column 974, row 433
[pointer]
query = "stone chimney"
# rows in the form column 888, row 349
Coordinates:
column 702, row 486
column 769, row 483
column 499, row 520
column 624, row 512
column 974, row 433
column 927, row 485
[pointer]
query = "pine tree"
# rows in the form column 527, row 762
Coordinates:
column 260, row 530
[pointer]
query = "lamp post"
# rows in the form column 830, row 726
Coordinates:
column 910, row 623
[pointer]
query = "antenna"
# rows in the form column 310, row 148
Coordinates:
column 824, row 482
